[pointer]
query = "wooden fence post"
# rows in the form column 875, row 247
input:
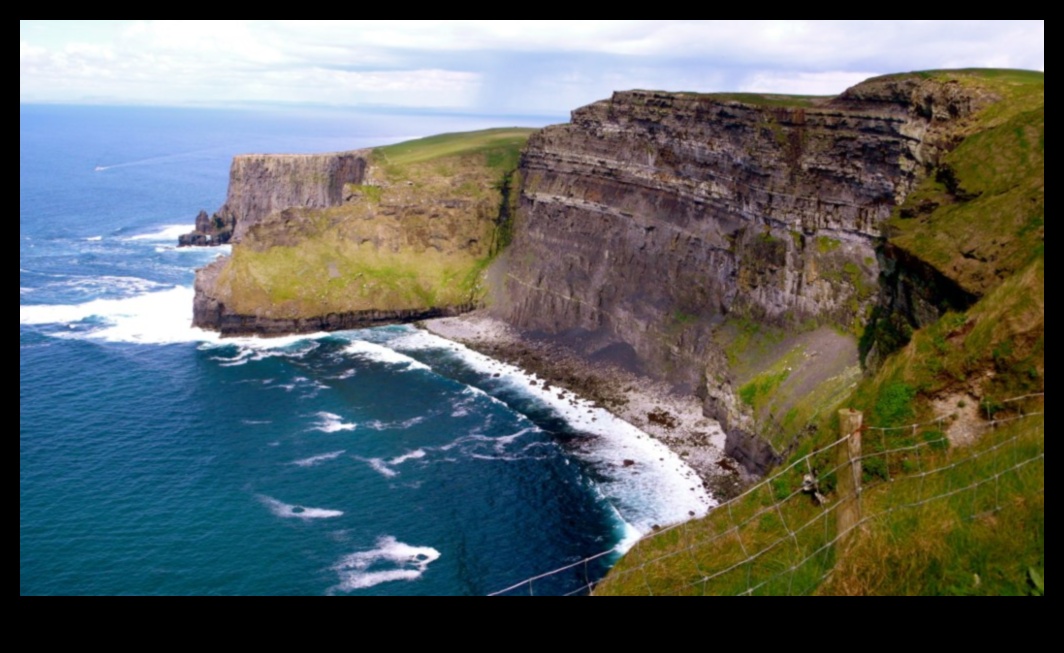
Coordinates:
column 849, row 475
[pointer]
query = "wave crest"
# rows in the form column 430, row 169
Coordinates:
column 392, row 561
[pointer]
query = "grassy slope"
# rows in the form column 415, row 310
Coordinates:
column 980, row 217
column 420, row 235
column 987, row 233
column 501, row 146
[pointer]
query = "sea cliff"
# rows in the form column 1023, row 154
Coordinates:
column 695, row 238
column 756, row 251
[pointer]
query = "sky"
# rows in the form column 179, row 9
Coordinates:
column 531, row 67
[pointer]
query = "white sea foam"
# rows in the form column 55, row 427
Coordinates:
column 632, row 536
column 169, row 234
column 503, row 442
column 659, row 490
column 474, row 438
column 218, row 250
column 286, row 511
column 157, row 316
column 386, row 468
column 94, row 239
column 376, row 353
column 378, row 425
column 94, row 286
column 392, row 561
column 380, row 467
column 314, row 461
column 413, row 455
column 330, row 423
column 25, row 291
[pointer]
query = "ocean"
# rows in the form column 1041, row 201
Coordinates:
column 155, row 459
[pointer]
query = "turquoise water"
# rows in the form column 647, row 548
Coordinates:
column 156, row 459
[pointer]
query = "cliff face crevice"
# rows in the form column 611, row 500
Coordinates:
column 653, row 218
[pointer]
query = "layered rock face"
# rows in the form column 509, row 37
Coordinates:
column 260, row 185
column 653, row 217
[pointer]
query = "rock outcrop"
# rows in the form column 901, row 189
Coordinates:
column 653, row 218
column 260, row 185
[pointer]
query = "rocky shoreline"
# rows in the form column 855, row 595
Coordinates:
column 677, row 422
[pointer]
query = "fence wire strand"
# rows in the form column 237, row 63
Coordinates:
column 695, row 543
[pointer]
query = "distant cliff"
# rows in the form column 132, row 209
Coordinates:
column 357, row 239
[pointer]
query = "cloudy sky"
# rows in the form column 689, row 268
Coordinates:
column 488, row 66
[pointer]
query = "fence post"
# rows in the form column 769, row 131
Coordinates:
column 849, row 475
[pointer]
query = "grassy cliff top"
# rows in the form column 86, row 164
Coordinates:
column 501, row 145
column 755, row 99
column 992, row 76
column 1011, row 85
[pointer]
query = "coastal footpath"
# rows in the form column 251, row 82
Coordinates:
column 770, row 257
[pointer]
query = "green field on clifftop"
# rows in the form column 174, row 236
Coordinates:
column 502, row 147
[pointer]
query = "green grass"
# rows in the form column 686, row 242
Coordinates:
column 746, row 342
column 502, row 148
column 894, row 406
column 1000, row 339
column 327, row 275
column 980, row 216
column 759, row 392
column 371, row 194
column 922, row 536
column 982, row 541
column 1001, row 75
column 772, row 100
column 825, row 245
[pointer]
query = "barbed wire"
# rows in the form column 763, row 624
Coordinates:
column 817, row 467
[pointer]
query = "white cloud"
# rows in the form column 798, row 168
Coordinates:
column 532, row 65
column 830, row 83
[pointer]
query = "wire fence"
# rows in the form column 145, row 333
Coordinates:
column 786, row 535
